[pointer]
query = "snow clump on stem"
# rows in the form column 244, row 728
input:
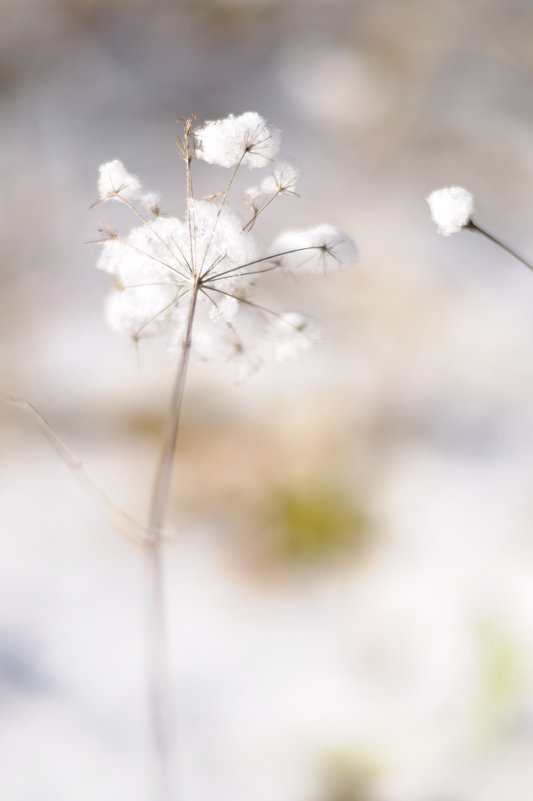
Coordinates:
column 451, row 209
column 246, row 139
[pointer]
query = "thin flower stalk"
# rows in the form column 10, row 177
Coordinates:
column 473, row 226
column 452, row 209
column 159, row 680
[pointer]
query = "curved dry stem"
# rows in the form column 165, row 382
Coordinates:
column 117, row 517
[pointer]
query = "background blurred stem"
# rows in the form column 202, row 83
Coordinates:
column 159, row 694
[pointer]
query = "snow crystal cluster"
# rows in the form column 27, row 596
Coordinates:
column 451, row 209
column 212, row 254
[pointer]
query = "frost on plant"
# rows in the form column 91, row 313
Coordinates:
column 238, row 140
column 116, row 182
column 212, row 254
column 451, row 209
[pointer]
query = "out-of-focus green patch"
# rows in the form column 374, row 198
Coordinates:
column 307, row 523
column 349, row 775
column 497, row 684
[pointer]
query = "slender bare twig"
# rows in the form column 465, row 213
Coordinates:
column 219, row 212
column 251, row 222
column 149, row 256
column 258, row 261
column 174, row 300
column 119, row 519
column 158, row 236
column 472, row 226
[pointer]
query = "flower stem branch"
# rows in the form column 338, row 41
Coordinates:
column 472, row 226
column 158, row 678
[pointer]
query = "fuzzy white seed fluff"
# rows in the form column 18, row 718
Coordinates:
column 451, row 208
column 212, row 253
column 115, row 179
column 294, row 334
column 322, row 249
column 283, row 180
column 246, row 139
column 151, row 202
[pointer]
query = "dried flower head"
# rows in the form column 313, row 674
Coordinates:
column 246, row 139
column 115, row 180
column 451, row 208
column 170, row 272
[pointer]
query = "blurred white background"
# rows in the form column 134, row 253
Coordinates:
column 350, row 582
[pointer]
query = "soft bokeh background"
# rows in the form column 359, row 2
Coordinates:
column 350, row 582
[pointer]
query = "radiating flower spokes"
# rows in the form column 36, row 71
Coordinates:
column 212, row 254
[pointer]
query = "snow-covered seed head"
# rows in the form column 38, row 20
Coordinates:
column 209, row 261
column 152, row 202
column 282, row 181
column 451, row 208
column 246, row 139
column 322, row 249
column 114, row 180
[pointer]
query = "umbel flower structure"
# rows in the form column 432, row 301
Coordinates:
column 169, row 271
column 191, row 280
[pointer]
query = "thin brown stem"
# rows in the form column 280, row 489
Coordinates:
column 191, row 214
column 174, row 300
column 149, row 256
column 158, row 678
column 472, row 226
column 219, row 212
column 158, row 236
column 247, row 302
column 258, row 261
column 251, row 222
column 250, row 272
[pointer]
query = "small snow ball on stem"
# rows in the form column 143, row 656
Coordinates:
column 245, row 139
column 115, row 182
column 451, row 209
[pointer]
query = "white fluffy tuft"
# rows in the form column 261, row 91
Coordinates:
column 114, row 179
column 282, row 181
column 322, row 249
column 246, row 138
column 292, row 335
column 451, row 208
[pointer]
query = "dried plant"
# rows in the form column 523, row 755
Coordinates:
column 191, row 282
